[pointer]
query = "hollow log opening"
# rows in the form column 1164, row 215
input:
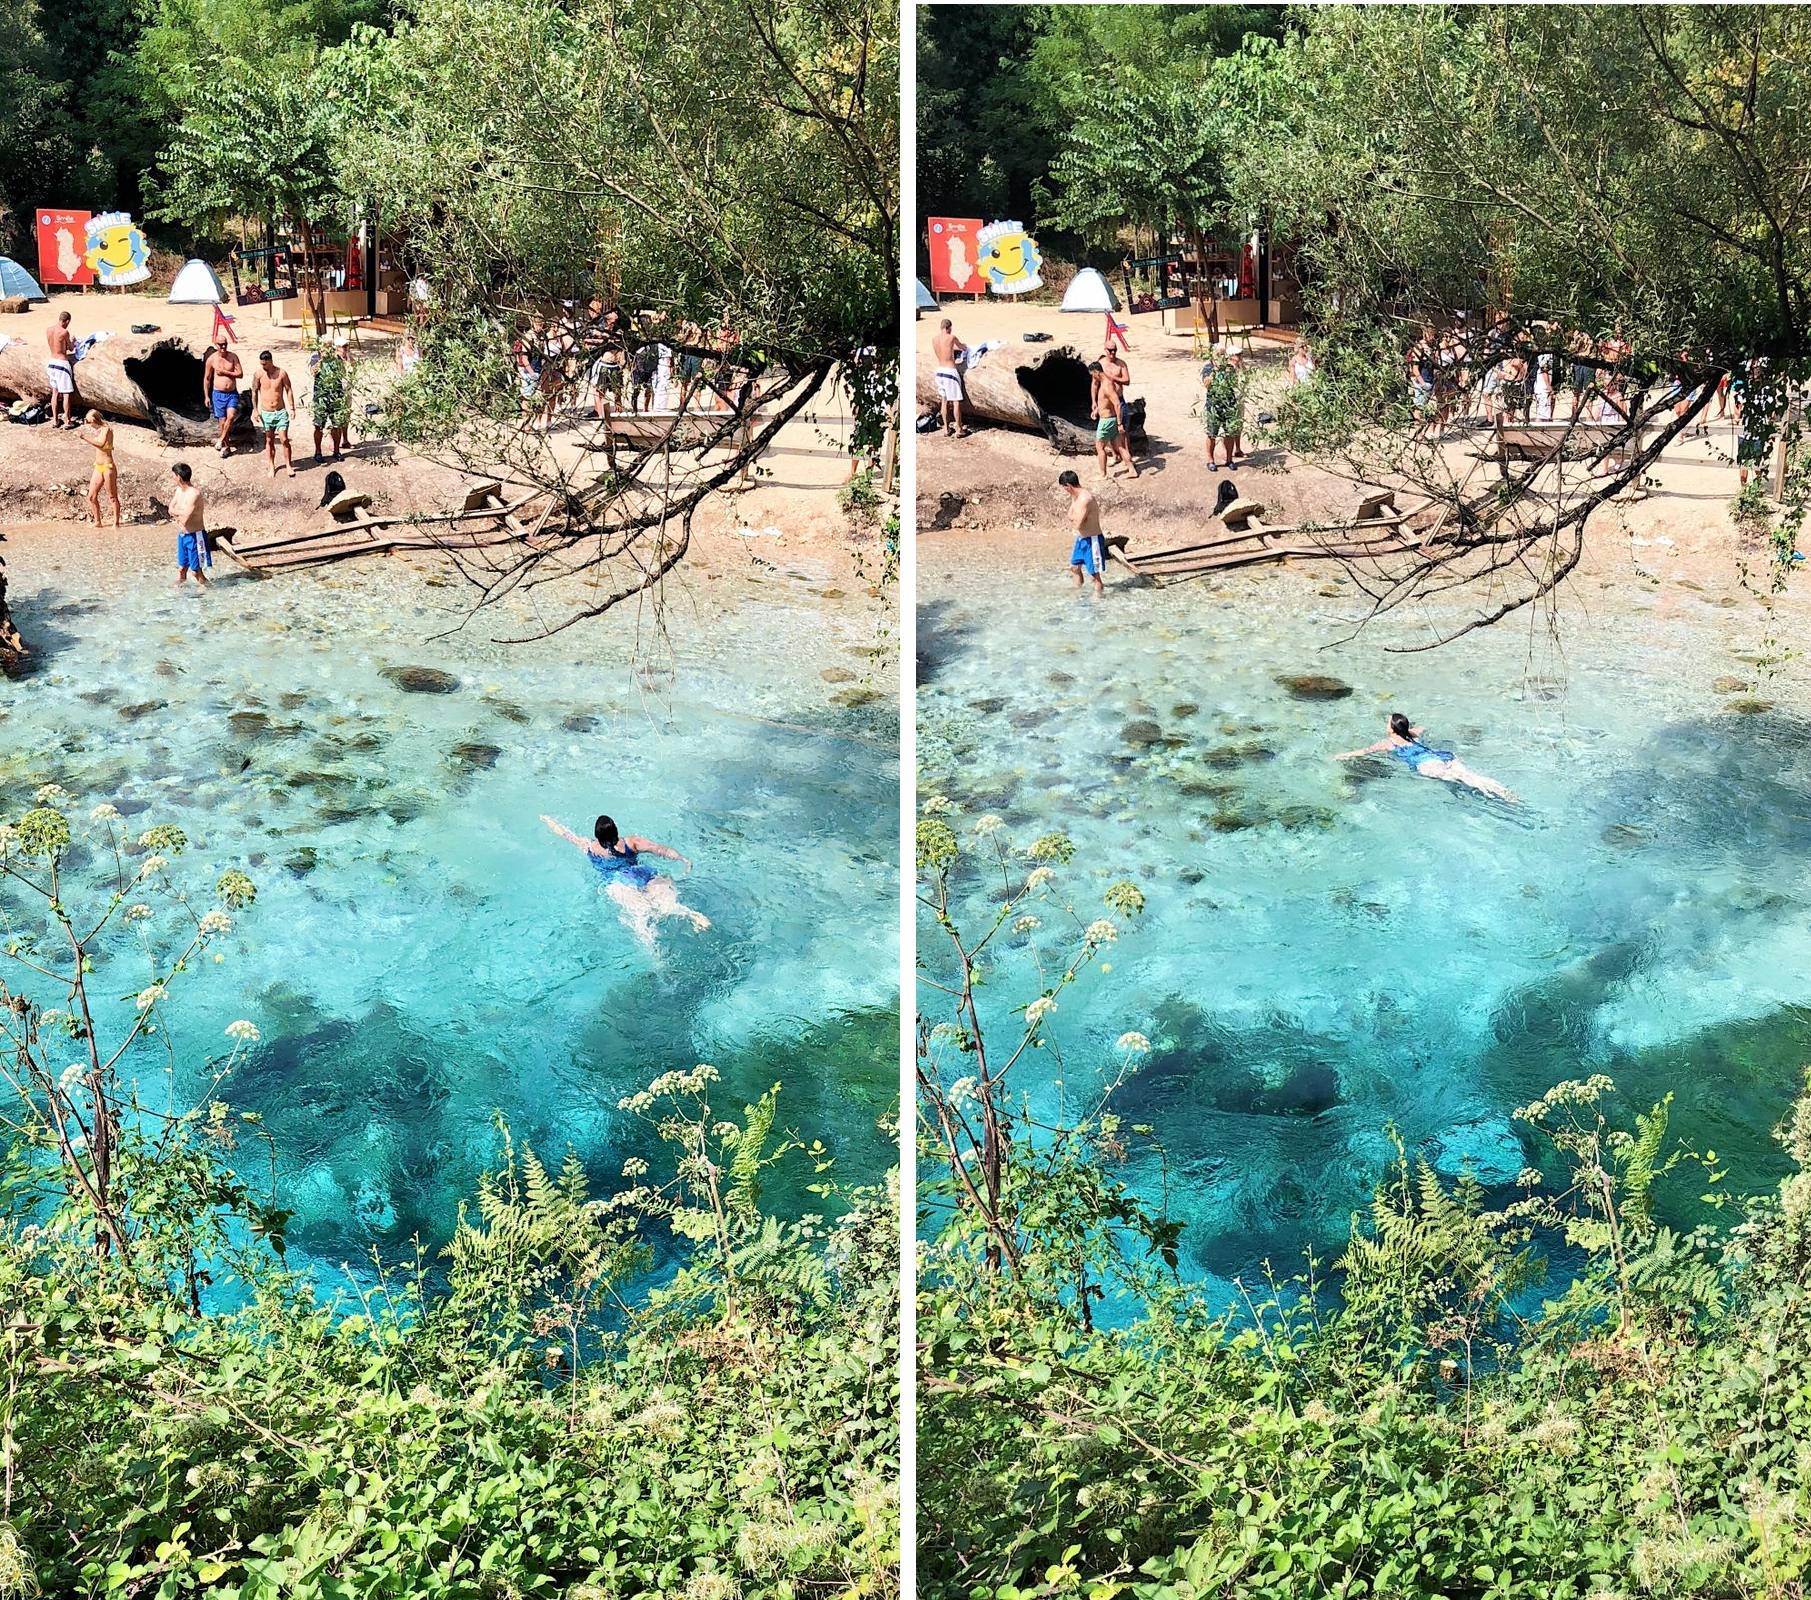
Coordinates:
column 170, row 377
column 1059, row 383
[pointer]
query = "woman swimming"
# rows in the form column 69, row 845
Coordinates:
column 643, row 895
column 1404, row 743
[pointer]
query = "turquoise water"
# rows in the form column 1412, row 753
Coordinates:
column 423, row 953
column 1329, row 950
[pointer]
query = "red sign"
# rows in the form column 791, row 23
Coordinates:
column 62, row 236
column 953, row 264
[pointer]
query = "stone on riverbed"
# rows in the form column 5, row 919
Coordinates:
column 1141, row 732
column 474, row 756
column 1314, row 686
column 422, row 680
column 1487, row 1147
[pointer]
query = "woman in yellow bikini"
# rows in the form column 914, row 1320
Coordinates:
column 98, row 431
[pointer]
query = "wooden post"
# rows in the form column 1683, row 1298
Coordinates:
column 1780, row 448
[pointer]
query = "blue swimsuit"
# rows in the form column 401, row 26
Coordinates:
column 621, row 866
column 1416, row 755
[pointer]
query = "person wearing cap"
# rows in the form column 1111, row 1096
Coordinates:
column 331, row 401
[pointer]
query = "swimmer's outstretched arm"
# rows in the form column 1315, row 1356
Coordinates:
column 568, row 835
column 648, row 847
column 1369, row 750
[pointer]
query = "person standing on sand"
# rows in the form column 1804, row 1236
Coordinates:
column 98, row 431
column 951, row 353
column 1111, row 436
column 273, row 397
column 192, row 553
column 1222, row 401
column 1088, row 555
column 331, row 400
column 60, row 370
column 220, row 376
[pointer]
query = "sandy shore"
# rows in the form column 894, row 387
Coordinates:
column 992, row 498
column 789, row 516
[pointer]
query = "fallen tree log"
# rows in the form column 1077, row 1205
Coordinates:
column 154, row 379
column 1048, row 392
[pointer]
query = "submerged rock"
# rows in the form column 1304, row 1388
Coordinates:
column 578, row 722
column 422, row 680
column 1141, row 732
column 1237, row 755
column 837, row 675
column 143, row 708
column 1486, row 1147
column 1729, row 685
column 473, row 755
column 302, row 862
column 1748, row 707
column 1314, row 686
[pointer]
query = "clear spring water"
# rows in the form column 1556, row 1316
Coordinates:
column 423, row 952
column 1330, row 950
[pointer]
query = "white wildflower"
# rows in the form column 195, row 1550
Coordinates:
column 1134, row 1044
column 988, row 824
column 52, row 794
column 150, row 996
column 242, row 1032
column 72, row 1075
column 152, row 864
column 1101, row 931
column 1038, row 877
column 1027, row 925
column 216, row 922
column 938, row 805
column 962, row 1091
column 137, row 913
column 634, row 1167
column 1039, row 1009
column 103, row 813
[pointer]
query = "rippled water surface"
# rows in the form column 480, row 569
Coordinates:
column 423, row 952
column 1331, row 950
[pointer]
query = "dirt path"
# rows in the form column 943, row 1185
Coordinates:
column 992, row 497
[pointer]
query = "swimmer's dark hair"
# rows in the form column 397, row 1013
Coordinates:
column 1399, row 725
column 181, row 469
column 1068, row 480
column 264, row 355
column 606, row 833
column 1094, row 366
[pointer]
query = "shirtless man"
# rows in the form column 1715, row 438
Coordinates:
column 60, row 369
column 220, row 392
column 951, row 353
column 273, row 397
column 1110, row 433
column 192, row 553
column 1088, row 555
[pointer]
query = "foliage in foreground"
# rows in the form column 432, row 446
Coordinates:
column 181, row 1413
column 1421, row 1425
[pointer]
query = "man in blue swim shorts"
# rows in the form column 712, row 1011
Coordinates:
column 220, row 376
column 192, row 552
column 1088, row 555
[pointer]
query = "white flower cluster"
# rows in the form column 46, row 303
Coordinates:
column 149, row 997
column 1134, row 1044
column 53, row 794
column 669, row 1083
column 138, row 913
column 962, row 1091
column 1101, row 931
column 216, row 922
column 988, row 824
column 937, row 806
column 152, row 864
column 242, row 1032
column 1027, row 924
column 1039, row 1009
column 103, row 813
column 635, row 1167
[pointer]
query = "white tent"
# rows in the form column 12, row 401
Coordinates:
column 197, row 284
column 1089, row 291
column 926, row 300
column 15, row 280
